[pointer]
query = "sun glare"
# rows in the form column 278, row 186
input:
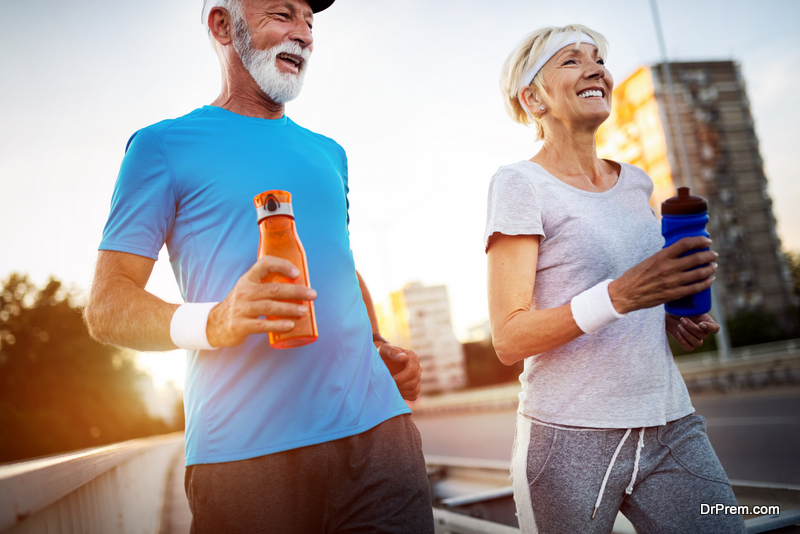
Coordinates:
column 164, row 367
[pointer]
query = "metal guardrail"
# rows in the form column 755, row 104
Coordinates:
column 771, row 523
column 753, row 367
column 446, row 522
column 472, row 496
column 775, row 350
column 119, row 488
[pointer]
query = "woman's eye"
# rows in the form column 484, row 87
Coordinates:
column 601, row 61
column 569, row 62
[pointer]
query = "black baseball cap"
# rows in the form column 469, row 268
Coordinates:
column 319, row 5
column 316, row 7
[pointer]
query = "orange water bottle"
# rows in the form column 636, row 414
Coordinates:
column 279, row 238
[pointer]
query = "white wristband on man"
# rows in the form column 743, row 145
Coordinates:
column 593, row 309
column 188, row 326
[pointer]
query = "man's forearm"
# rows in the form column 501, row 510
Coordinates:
column 120, row 312
column 131, row 318
column 373, row 319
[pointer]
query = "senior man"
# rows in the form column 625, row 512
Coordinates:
column 309, row 439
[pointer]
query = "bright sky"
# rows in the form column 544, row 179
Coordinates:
column 408, row 87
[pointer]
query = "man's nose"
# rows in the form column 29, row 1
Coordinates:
column 301, row 34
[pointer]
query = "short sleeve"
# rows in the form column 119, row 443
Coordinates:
column 144, row 202
column 513, row 206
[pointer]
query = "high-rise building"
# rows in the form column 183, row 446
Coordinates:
column 418, row 318
column 725, row 166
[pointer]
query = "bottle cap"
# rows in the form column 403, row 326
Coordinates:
column 684, row 204
column 271, row 203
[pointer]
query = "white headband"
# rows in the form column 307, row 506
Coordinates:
column 208, row 5
column 557, row 45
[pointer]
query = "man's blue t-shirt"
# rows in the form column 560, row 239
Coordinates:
column 190, row 183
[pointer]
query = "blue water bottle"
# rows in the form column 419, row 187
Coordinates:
column 686, row 216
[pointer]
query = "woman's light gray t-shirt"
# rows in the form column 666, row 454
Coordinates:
column 623, row 376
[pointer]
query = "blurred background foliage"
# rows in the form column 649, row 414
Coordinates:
column 754, row 326
column 793, row 260
column 60, row 390
column 484, row 368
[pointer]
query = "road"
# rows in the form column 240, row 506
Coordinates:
column 756, row 434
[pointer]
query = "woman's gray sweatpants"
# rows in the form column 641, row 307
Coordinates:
column 558, row 474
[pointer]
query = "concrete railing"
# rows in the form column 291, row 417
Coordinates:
column 123, row 488
column 472, row 496
column 777, row 350
column 753, row 367
column 119, row 488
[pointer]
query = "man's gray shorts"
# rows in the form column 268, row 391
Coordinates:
column 375, row 481
column 558, row 474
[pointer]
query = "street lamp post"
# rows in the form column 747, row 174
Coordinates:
column 723, row 341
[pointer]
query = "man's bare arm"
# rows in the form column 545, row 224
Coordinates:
column 403, row 364
column 121, row 312
column 373, row 319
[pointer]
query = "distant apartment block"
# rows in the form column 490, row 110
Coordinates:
column 418, row 318
column 726, row 169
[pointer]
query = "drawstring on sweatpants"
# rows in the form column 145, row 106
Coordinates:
column 629, row 489
column 639, row 448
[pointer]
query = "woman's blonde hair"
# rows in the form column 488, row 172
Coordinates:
column 524, row 57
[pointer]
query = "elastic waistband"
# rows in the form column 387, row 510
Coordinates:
column 568, row 428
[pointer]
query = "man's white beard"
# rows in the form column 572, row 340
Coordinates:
column 261, row 64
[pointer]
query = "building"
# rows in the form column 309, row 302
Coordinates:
column 726, row 168
column 418, row 318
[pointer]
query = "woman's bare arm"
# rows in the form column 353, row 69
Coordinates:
column 517, row 330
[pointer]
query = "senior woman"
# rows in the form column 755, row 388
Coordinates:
column 577, row 279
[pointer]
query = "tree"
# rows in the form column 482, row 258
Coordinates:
column 179, row 417
column 709, row 344
column 59, row 389
column 793, row 260
column 755, row 327
column 484, row 368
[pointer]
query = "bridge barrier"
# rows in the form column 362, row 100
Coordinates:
column 122, row 488
column 118, row 488
column 753, row 367
column 472, row 496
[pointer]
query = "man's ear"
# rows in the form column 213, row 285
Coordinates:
column 220, row 25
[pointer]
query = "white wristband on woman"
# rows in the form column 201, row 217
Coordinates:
column 593, row 310
column 188, row 326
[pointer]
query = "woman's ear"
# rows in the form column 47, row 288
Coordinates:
column 531, row 100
